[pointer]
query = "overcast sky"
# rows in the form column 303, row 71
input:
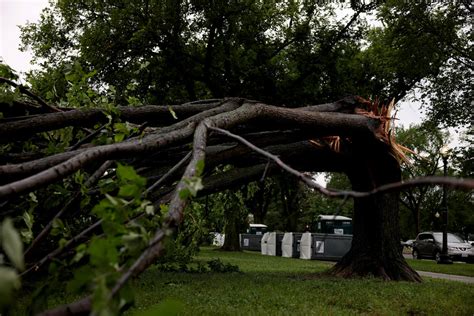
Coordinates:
column 19, row 12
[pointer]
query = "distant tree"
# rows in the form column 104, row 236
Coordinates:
column 425, row 141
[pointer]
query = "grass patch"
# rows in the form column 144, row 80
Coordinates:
column 280, row 286
column 457, row 268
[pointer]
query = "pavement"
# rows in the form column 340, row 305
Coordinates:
column 450, row 277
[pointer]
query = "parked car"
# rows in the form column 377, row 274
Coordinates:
column 429, row 245
column 408, row 243
column 470, row 239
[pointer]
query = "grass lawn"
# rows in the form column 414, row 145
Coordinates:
column 282, row 286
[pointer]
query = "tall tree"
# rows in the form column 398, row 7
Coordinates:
column 277, row 52
column 425, row 141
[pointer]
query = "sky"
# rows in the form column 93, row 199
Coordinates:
column 12, row 14
column 19, row 12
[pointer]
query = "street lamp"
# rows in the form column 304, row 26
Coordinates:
column 444, row 258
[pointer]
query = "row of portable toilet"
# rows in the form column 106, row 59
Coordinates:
column 305, row 245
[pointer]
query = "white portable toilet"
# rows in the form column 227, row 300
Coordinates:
column 306, row 246
column 287, row 245
column 271, row 244
column 263, row 243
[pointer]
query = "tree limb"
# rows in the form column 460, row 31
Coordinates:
column 24, row 90
column 455, row 183
column 91, row 181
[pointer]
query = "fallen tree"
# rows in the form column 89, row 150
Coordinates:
column 179, row 149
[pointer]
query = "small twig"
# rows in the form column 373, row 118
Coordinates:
column 87, row 138
column 59, row 250
column 264, row 175
column 91, row 181
column 168, row 174
column 456, row 183
column 24, row 90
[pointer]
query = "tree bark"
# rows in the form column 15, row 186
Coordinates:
column 231, row 229
column 376, row 246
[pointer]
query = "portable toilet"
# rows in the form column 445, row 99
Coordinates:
column 311, row 247
column 290, row 245
column 334, row 224
column 330, row 246
column 252, row 239
column 263, row 243
column 274, row 244
column 257, row 229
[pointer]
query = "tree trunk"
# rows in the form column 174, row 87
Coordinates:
column 376, row 246
column 231, row 230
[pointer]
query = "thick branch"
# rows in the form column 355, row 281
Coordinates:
column 15, row 171
column 87, row 117
column 455, row 183
column 101, row 153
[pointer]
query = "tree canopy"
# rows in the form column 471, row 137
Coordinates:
column 279, row 52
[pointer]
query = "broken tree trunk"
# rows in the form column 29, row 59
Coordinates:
column 376, row 249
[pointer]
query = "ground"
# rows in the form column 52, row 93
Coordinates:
column 283, row 286
column 275, row 285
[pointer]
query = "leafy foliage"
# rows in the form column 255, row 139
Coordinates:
column 12, row 246
column 285, row 52
column 420, row 205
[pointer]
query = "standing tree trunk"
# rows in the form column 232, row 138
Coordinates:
column 231, row 229
column 376, row 246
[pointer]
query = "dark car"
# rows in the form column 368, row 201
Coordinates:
column 429, row 245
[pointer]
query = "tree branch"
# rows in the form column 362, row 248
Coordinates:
column 91, row 181
column 87, row 117
column 24, row 90
column 100, row 153
column 463, row 184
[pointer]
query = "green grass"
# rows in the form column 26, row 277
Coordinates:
column 282, row 286
column 458, row 268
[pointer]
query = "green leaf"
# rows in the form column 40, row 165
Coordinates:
column 129, row 190
column 9, row 281
column 173, row 113
column 62, row 242
column 118, row 137
column 128, row 174
column 11, row 244
column 194, row 184
column 33, row 197
column 28, row 219
column 200, row 167
column 80, row 252
column 114, row 201
column 184, row 194
column 103, row 252
column 164, row 208
column 82, row 277
column 149, row 210
column 58, row 227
